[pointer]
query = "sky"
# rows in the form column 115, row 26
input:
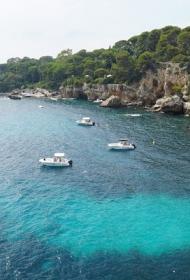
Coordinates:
column 35, row 28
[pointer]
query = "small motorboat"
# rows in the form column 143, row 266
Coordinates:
column 68, row 98
column 133, row 115
column 54, row 98
column 98, row 100
column 40, row 106
column 86, row 122
column 122, row 144
column 58, row 160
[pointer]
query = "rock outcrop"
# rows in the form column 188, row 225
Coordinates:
column 37, row 93
column 113, row 101
column 186, row 108
column 169, row 104
column 167, row 89
column 72, row 92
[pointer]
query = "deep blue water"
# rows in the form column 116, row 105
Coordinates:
column 113, row 215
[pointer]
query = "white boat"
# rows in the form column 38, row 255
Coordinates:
column 133, row 115
column 40, row 106
column 122, row 145
column 86, row 122
column 68, row 98
column 98, row 100
column 58, row 160
column 54, row 98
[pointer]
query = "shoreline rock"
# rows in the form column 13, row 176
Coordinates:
column 166, row 90
column 113, row 102
column 186, row 108
column 171, row 104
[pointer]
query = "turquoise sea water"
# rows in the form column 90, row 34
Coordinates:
column 113, row 215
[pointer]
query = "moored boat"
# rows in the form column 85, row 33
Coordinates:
column 86, row 122
column 98, row 100
column 133, row 115
column 122, row 144
column 58, row 160
column 54, row 98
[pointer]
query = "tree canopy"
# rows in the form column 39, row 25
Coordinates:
column 125, row 62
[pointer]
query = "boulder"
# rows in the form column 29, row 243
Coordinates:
column 38, row 94
column 41, row 92
column 172, row 104
column 186, row 93
column 113, row 101
column 186, row 108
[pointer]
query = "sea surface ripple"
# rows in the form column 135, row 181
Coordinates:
column 113, row 215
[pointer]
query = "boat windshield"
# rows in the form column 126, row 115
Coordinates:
column 124, row 142
column 58, row 159
column 86, row 119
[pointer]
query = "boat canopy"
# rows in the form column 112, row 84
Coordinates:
column 86, row 118
column 123, row 140
column 59, row 155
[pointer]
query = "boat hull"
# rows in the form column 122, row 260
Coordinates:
column 85, row 124
column 50, row 162
column 97, row 101
column 116, row 146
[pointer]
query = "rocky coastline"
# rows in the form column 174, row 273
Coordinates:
column 165, row 90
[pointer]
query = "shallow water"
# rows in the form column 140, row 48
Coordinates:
column 113, row 215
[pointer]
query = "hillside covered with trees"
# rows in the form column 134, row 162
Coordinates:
column 125, row 62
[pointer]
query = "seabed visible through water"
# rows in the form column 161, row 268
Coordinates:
column 112, row 215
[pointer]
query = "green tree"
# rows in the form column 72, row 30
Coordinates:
column 100, row 73
column 146, row 61
column 184, row 42
column 124, row 68
column 64, row 53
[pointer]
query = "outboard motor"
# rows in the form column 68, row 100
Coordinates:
column 134, row 146
column 93, row 123
column 70, row 162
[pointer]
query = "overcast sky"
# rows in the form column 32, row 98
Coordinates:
column 45, row 27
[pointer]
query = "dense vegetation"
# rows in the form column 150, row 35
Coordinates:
column 125, row 62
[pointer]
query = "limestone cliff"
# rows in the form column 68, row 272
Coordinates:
column 160, row 89
column 167, row 89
